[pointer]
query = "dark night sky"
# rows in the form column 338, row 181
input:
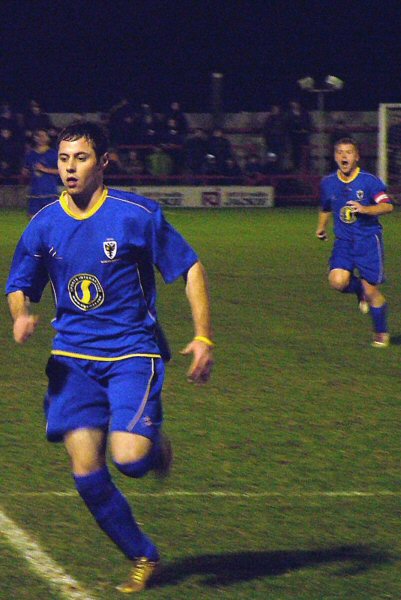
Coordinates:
column 79, row 56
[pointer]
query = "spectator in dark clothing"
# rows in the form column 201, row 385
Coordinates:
column 210, row 166
column 179, row 117
column 11, row 152
column 122, row 123
column 253, row 169
column 299, row 129
column 172, row 135
column 232, row 172
column 275, row 133
column 271, row 167
column 148, row 133
column 195, row 150
column 220, row 147
column 172, row 141
column 148, row 125
column 133, row 165
column 8, row 119
column 34, row 120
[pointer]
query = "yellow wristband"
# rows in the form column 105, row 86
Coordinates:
column 205, row 340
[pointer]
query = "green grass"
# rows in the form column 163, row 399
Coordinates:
column 299, row 406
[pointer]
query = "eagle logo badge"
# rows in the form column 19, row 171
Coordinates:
column 110, row 248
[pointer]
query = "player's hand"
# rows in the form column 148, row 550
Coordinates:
column 202, row 361
column 355, row 206
column 322, row 235
column 41, row 168
column 24, row 326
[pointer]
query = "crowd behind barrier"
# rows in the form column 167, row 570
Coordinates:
column 149, row 147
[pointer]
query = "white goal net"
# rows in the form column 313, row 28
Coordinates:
column 389, row 148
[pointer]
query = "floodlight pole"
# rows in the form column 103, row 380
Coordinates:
column 217, row 99
column 321, row 126
column 334, row 85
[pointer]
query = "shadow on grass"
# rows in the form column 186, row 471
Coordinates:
column 226, row 569
column 396, row 340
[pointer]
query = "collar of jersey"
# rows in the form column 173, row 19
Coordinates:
column 355, row 175
column 95, row 208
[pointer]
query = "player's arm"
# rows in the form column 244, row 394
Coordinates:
column 24, row 174
column 24, row 323
column 201, row 346
column 382, row 208
column 322, row 222
column 44, row 169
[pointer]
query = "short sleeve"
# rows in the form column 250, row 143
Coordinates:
column 379, row 192
column 28, row 273
column 171, row 253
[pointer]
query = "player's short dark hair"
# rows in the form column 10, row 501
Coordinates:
column 92, row 132
column 347, row 140
column 37, row 129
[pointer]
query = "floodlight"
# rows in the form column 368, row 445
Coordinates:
column 306, row 83
column 335, row 83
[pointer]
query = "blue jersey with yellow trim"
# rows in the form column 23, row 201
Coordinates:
column 42, row 184
column 365, row 188
column 101, row 269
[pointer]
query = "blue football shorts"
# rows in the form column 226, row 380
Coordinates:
column 123, row 395
column 366, row 254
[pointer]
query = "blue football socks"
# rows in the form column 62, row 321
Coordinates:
column 113, row 514
column 379, row 318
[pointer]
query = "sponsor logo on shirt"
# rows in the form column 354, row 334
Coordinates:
column 86, row 291
column 348, row 215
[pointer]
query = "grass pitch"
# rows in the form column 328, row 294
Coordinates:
column 286, row 481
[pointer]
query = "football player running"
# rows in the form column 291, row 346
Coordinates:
column 356, row 199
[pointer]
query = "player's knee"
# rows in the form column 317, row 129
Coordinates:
column 337, row 282
column 137, row 468
column 375, row 298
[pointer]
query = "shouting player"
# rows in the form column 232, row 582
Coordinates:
column 356, row 199
column 98, row 248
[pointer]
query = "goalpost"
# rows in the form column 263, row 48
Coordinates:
column 389, row 147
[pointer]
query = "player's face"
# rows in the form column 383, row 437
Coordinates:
column 79, row 167
column 346, row 157
column 41, row 137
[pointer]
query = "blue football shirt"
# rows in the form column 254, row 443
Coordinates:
column 42, row 184
column 364, row 188
column 101, row 269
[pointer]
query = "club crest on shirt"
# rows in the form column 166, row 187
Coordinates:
column 360, row 194
column 110, row 248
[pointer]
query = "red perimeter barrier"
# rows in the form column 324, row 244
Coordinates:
column 289, row 189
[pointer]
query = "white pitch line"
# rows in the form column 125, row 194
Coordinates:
column 41, row 563
column 222, row 494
